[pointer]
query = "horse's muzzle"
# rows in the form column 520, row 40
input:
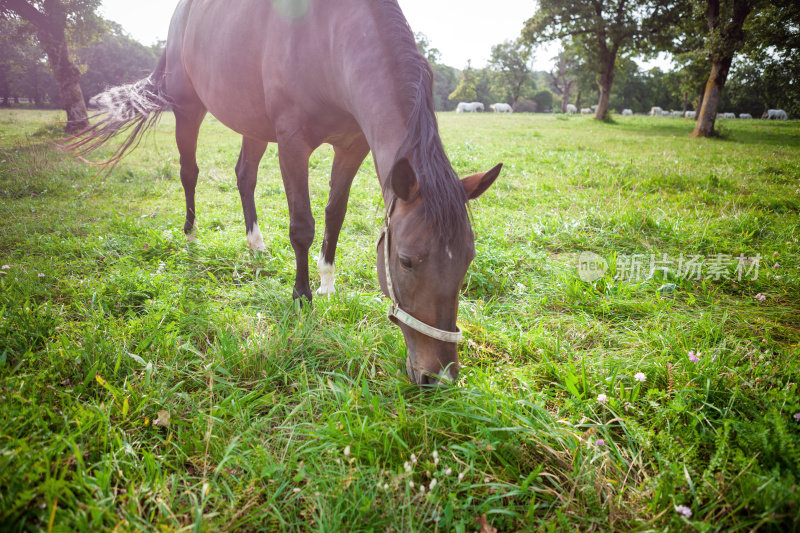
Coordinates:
column 424, row 378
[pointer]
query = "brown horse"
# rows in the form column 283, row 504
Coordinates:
column 301, row 73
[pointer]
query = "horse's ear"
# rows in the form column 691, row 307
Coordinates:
column 477, row 184
column 403, row 179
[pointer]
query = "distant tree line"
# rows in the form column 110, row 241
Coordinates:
column 732, row 55
column 754, row 43
column 758, row 80
column 741, row 56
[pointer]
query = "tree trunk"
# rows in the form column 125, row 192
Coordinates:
column 578, row 100
column 605, row 82
column 68, row 79
column 711, row 97
column 685, row 102
column 51, row 28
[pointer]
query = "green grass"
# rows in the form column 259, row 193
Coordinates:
column 108, row 319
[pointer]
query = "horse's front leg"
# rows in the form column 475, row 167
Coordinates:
column 346, row 162
column 293, row 154
column 246, row 177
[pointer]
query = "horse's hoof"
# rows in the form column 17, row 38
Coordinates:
column 326, row 290
column 303, row 299
column 254, row 239
column 327, row 275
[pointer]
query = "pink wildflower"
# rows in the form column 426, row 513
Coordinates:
column 600, row 442
column 602, row 398
column 683, row 511
column 694, row 358
column 640, row 377
column 761, row 297
column 797, row 417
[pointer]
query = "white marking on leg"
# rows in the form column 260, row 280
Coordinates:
column 255, row 240
column 327, row 274
column 449, row 253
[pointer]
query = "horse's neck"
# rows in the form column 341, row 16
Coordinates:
column 381, row 118
column 372, row 86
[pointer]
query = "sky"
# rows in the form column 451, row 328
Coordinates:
column 461, row 34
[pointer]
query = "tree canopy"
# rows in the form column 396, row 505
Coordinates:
column 602, row 30
column 511, row 74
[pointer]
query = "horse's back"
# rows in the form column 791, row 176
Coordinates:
column 252, row 62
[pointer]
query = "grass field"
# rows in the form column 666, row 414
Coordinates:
column 147, row 384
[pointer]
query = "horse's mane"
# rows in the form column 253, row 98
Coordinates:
column 443, row 197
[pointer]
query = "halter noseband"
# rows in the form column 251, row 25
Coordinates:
column 394, row 310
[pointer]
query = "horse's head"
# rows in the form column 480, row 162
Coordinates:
column 425, row 274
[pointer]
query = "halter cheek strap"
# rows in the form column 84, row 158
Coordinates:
column 395, row 310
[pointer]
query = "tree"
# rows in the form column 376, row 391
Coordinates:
column 444, row 77
column 114, row 59
column 54, row 21
column 723, row 37
column 510, row 72
column 770, row 62
column 631, row 87
column 544, row 100
column 445, row 80
column 761, row 32
column 602, row 29
column 465, row 91
column 10, row 58
column 562, row 77
column 433, row 55
column 690, row 77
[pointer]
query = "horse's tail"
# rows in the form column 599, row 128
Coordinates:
column 128, row 109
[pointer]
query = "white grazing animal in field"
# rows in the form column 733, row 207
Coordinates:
column 664, row 113
column 586, row 111
column 775, row 114
column 501, row 108
column 676, row 114
column 571, row 109
column 691, row 114
column 469, row 107
column 729, row 115
column 627, row 112
column 745, row 115
column 656, row 111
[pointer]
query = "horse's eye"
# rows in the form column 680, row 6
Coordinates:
column 406, row 263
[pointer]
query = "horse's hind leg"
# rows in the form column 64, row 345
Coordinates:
column 346, row 163
column 187, row 127
column 293, row 154
column 246, row 176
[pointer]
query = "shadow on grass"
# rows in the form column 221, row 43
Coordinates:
column 755, row 134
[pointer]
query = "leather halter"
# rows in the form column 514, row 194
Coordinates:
column 395, row 310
